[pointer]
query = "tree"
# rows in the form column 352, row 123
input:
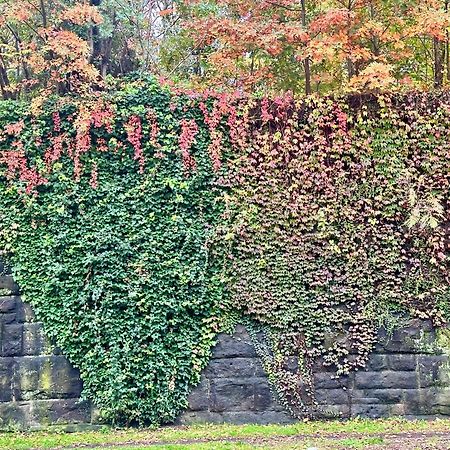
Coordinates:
column 319, row 45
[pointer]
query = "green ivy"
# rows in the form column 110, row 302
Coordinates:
column 120, row 274
column 142, row 221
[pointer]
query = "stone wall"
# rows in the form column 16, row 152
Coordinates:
column 408, row 375
column 234, row 387
column 38, row 386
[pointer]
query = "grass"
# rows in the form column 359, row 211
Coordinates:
column 358, row 433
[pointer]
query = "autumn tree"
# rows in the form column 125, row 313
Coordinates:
column 265, row 46
column 60, row 46
column 42, row 45
column 320, row 45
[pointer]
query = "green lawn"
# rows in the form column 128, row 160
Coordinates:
column 392, row 434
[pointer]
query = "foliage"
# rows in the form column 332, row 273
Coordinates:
column 136, row 225
column 255, row 45
column 327, row 238
column 44, row 47
column 319, row 45
column 115, row 261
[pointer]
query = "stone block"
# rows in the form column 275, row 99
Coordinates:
column 327, row 380
column 8, row 285
column 7, row 304
column 372, row 411
column 386, row 395
column 386, row 380
column 443, row 410
column 46, row 377
column 402, row 362
column 417, row 337
column 7, row 318
column 34, row 341
column 229, row 394
column 6, row 373
column 14, row 415
column 335, row 411
column 234, row 367
column 199, row 398
column 377, row 362
column 362, row 397
column 25, row 312
column 398, row 409
column 332, row 396
column 421, row 401
column 239, row 345
column 264, row 398
column 11, row 340
column 53, row 412
column 443, row 396
column 428, row 372
column 199, row 417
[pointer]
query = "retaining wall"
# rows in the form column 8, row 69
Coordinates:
column 408, row 375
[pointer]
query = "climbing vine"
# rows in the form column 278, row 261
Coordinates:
column 140, row 223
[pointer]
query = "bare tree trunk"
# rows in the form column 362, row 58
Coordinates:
column 4, row 84
column 447, row 55
column 100, row 48
column 447, row 44
column 306, row 61
column 43, row 13
column 438, row 54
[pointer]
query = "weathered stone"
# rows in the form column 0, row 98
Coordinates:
column 335, row 411
column 7, row 304
column 14, row 415
column 7, row 318
column 8, row 286
column 197, row 417
column 199, row 398
column 417, row 337
column 264, row 398
column 402, row 362
column 377, row 362
column 234, row 367
column 52, row 412
column 25, row 313
column 408, row 376
column 325, row 380
column 331, row 396
column 373, row 411
column 34, row 342
column 11, row 340
column 385, row 379
column 385, row 395
column 6, row 372
column 46, row 377
column 443, row 410
column 428, row 369
column 433, row 361
column 228, row 394
column 239, row 345
column 420, row 401
column 363, row 396
column 443, row 396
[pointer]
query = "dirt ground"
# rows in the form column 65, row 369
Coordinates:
column 391, row 441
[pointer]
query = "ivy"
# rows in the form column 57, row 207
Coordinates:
column 142, row 222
